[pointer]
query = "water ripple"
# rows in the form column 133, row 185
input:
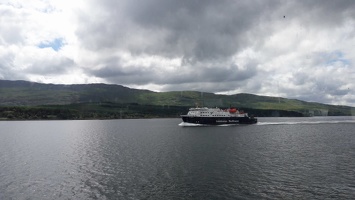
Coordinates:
column 155, row 159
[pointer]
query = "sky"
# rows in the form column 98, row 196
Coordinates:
column 296, row 49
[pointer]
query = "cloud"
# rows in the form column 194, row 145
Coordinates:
column 191, row 29
column 293, row 49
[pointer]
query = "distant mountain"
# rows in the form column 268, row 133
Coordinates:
column 30, row 93
column 24, row 93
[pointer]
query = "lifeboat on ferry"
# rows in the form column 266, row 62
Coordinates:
column 232, row 110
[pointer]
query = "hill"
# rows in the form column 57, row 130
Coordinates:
column 24, row 93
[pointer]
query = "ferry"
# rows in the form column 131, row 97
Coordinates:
column 217, row 116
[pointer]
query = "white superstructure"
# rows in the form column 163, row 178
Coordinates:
column 215, row 112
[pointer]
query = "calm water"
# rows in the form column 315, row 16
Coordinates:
column 280, row 158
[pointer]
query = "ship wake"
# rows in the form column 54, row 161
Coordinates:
column 306, row 122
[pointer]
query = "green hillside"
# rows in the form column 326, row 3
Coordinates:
column 17, row 93
column 92, row 97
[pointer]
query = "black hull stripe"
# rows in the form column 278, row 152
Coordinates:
column 219, row 120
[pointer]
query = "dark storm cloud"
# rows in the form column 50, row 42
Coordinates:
column 194, row 29
column 327, row 12
column 197, row 29
column 187, row 75
column 198, row 32
column 57, row 66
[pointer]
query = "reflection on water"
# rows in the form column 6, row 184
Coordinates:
column 280, row 158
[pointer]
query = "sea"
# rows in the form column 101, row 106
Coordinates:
column 277, row 158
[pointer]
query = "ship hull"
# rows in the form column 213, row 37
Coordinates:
column 219, row 120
